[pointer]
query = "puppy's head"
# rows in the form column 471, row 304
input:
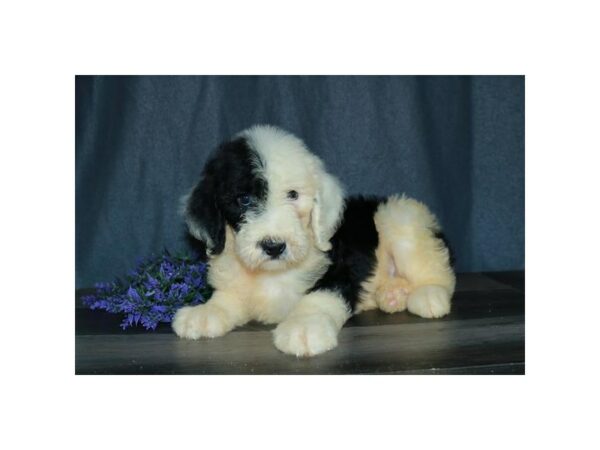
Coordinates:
column 267, row 193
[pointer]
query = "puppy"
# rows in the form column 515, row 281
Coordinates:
column 286, row 248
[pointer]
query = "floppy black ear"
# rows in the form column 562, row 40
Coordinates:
column 203, row 215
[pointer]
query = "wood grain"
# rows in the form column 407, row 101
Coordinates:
column 484, row 334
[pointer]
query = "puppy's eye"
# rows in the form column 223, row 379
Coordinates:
column 244, row 200
column 292, row 195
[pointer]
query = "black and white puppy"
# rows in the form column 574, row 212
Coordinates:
column 285, row 247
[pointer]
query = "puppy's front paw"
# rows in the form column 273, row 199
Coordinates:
column 194, row 322
column 306, row 335
column 429, row 301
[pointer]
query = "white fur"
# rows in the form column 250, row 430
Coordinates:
column 289, row 165
column 278, row 222
column 194, row 322
column 249, row 284
column 328, row 210
column 215, row 318
column 312, row 327
column 429, row 301
column 412, row 268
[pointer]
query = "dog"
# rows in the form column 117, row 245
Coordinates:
column 285, row 247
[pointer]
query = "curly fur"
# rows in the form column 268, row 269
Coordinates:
column 285, row 247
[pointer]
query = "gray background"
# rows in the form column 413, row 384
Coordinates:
column 455, row 143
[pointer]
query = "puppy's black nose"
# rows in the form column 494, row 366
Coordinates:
column 272, row 248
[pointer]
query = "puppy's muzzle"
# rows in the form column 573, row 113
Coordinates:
column 272, row 247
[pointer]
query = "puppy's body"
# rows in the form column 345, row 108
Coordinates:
column 286, row 248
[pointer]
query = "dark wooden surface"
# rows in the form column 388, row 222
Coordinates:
column 484, row 334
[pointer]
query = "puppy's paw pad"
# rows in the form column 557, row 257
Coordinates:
column 194, row 322
column 306, row 335
column 392, row 296
column 429, row 301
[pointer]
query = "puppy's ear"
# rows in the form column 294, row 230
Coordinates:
column 202, row 213
column 327, row 210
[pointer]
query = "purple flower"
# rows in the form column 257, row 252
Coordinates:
column 151, row 283
column 167, row 270
column 184, row 289
column 154, row 291
column 158, row 296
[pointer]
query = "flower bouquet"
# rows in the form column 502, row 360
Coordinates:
column 152, row 292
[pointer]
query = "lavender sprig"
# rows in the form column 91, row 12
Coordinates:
column 154, row 291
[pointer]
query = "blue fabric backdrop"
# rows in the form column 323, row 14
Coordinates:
column 455, row 143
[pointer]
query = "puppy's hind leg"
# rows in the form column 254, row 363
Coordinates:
column 407, row 231
column 392, row 289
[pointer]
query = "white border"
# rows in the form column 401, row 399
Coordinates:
column 46, row 43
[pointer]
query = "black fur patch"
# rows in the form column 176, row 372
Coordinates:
column 442, row 237
column 353, row 250
column 231, row 172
